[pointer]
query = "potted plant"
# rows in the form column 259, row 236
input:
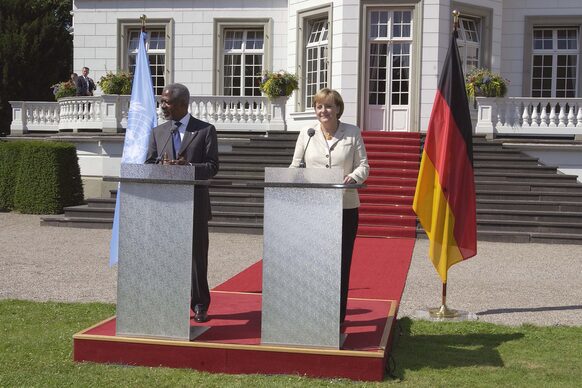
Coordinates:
column 278, row 84
column 114, row 105
column 485, row 83
column 119, row 83
column 64, row 89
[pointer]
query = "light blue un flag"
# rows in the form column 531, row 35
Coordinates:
column 141, row 119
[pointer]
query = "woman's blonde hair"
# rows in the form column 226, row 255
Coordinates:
column 326, row 93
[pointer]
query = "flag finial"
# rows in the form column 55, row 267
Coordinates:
column 143, row 19
column 455, row 19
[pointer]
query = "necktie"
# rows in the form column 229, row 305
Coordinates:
column 177, row 142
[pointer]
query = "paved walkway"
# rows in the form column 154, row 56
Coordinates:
column 505, row 283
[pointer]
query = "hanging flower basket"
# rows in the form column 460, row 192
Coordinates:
column 484, row 83
column 278, row 84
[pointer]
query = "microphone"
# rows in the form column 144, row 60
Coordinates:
column 161, row 156
column 310, row 133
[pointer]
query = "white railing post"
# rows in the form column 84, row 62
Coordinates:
column 486, row 111
column 277, row 119
column 534, row 115
column 110, row 113
column 18, row 125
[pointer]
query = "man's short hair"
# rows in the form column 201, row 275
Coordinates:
column 179, row 93
column 85, row 67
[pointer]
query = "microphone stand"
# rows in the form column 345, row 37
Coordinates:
column 310, row 133
column 161, row 157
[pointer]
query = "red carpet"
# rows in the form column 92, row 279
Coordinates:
column 232, row 344
column 386, row 209
column 379, row 270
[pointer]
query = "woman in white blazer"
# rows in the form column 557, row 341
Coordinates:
column 336, row 144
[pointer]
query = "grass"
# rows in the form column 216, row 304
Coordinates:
column 36, row 351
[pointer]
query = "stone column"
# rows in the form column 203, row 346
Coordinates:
column 18, row 125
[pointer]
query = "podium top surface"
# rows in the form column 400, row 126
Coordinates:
column 157, row 173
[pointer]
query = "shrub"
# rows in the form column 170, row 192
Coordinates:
column 9, row 164
column 279, row 84
column 64, row 89
column 116, row 83
column 46, row 176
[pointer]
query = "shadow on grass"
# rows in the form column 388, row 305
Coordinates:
column 442, row 351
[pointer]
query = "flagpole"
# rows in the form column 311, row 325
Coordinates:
column 141, row 119
column 143, row 19
column 444, row 312
column 453, row 71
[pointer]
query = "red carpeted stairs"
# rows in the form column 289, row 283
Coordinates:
column 386, row 202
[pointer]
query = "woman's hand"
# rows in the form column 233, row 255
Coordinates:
column 348, row 180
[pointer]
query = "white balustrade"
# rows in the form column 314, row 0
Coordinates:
column 108, row 113
column 529, row 116
column 35, row 116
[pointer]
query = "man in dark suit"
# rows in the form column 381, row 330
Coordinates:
column 85, row 85
column 186, row 138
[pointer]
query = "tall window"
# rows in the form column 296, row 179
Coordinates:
column 390, row 39
column 316, row 61
column 156, row 50
column 555, row 62
column 242, row 62
column 469, row 42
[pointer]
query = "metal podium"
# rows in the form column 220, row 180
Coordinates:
column 302, row 257
column 156, row 208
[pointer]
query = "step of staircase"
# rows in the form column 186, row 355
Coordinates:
column 234, row 227
column 502, row 204
column 386, row 231
column 511, row 176
column 86, row 211
column 499, row 193
column 387, row 220
column 488, row 184
column 555, row 216
column 394, row 173
column 518, row 198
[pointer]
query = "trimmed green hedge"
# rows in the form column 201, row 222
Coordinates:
column 9, row 165
column 39, row 177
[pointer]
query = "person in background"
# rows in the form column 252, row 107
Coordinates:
column 336, row 144
column 191, row 141
column 85, row 85
column 73, row 79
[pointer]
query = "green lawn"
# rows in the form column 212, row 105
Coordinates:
column 36, row 346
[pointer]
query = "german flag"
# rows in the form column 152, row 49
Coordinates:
column 444, row 200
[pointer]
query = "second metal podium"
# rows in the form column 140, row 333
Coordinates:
column 302, row 257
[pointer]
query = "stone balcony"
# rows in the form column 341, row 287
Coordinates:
column 519, row 116
column 108, row 114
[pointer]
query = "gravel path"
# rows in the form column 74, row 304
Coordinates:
column 505, row 283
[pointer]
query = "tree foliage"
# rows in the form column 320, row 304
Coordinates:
column 36, row 50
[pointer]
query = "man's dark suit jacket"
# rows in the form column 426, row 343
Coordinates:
column 199, row 147
column 85, row 87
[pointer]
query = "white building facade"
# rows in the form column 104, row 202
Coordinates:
column 384, row 57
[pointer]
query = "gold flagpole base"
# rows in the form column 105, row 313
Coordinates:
column 443, row 312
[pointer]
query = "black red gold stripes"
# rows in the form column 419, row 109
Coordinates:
column 444, row 200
